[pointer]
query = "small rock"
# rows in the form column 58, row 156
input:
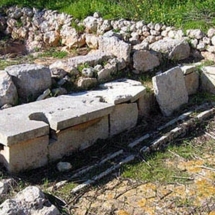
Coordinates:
column 64, row 166
column 45, row 95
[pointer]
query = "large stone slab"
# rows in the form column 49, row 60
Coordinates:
column 34, row 119
column 8, row 92
column 170, row 90
column 30, row 79
column 208, row 79
column 191, row 76
column 119, row 91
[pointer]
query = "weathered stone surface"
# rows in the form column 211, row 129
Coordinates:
column 61, row 112
column 78, row 137
column 90, row 59
column 92, row 41
column 119, row 91
column 175, row 49
column 142, row 46
column 26, row 155
column 124, row 117
column 170, row 90
column 116, row 47
column 86, row 83
column 30, row 79
column 208, row 79
column 31, row 200
column 145, row 60
column 6, row 185
column 191, row 77
column 8, row 92
column 195, row 33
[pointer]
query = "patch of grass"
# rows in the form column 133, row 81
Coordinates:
column 54, row 53
column 161, row 166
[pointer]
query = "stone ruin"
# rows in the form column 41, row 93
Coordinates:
column 59, row 122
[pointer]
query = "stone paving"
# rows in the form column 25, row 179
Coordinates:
column 123, row 196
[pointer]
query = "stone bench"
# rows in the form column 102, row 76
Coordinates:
column 33, row 134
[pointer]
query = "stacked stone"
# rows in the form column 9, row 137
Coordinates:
column 42, row 28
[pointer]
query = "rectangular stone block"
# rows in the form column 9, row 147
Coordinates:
column 78, row 137
column 25, row 155
column 170, row 90
column 208, row 79
column 124, row 117
column 191, row 77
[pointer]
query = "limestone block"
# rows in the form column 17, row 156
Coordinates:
column 116, row 47
column 191, row 77
column 119, row 91
column 208, row 79
column 16, row 127
column 170, row 90
column 91, row 59
column 175, row 49
column 26, row 155
column 8, row 92
column 145, row 60
column 146, row 104
column 78, row 137
column 86, row 83
column 124, row 117
column 30, row 79
column 92, row 41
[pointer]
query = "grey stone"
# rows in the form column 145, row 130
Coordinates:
column 142, row 46
column 64, row 166
column 170, row 90
column 88, row 72
column 208, row 79
column 30, row 79
column 145, row 60
column 59, row 91
column 31, row 200
column 195, row 33
column 86, row 83
column 91, row 59
column 175, row 49
column 116, row 47
column 6, row 185
column 211, row 32
column 8, row 92
column 58, row 73
column 45, row 95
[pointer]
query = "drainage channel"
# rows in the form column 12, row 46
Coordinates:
column 164, row 134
